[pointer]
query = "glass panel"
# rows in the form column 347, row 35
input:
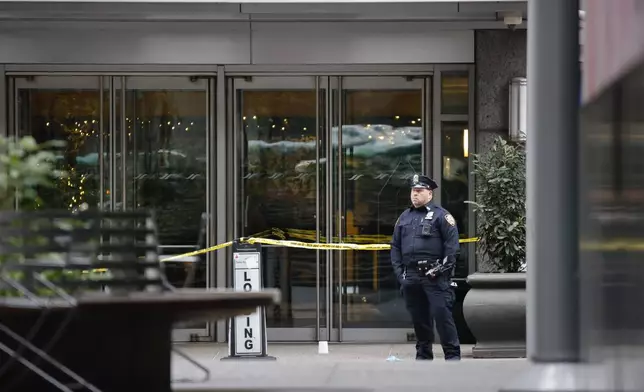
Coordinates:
column 71, row 115
column 382, row 146
column 454, row 186
column 279, row 192
column 455, row 93
column 166, row 167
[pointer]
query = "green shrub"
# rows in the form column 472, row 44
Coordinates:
column 25, row 166
column 501, row 206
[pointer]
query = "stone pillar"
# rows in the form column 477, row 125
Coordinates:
column 500, row 56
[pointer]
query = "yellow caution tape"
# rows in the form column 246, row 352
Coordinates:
column 327, row 246
column 360, row 238
column 198, row 252
column 315, row 245
column 273, row 231
column 298, row 244
column 302, row 234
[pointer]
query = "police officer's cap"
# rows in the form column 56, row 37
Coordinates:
column 423, row 182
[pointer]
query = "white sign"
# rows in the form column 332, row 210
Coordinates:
column 248, row 336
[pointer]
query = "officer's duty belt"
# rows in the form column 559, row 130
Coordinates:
column 414, row 264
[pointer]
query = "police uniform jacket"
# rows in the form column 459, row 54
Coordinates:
column 437, row 242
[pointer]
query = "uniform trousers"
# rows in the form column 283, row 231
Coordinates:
column 428, row 301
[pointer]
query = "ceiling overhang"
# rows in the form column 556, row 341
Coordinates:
column 159, row 10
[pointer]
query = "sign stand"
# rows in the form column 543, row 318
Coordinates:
column 247, row 334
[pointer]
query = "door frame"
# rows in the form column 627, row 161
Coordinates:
column 184, row 83
column 236, row 84
column 338, row 195
column 107, row 85
column 470, row 118
column 311, row 81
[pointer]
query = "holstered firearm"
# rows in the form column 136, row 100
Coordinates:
column 428, row 268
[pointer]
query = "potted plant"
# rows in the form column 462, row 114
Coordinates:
column 495, row 306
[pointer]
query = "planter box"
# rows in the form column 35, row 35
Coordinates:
column 495, row 312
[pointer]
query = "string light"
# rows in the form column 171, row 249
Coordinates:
column 75, row 186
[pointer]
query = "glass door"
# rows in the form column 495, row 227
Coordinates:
column 149, row 150
column 383, row 141
column 167, row 123
column 279, row 184
column 72, row 109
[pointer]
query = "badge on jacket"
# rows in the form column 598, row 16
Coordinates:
column 450, row 219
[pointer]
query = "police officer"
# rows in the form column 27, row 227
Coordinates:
column 423, row 254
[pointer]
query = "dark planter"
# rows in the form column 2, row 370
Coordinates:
column 495, row 310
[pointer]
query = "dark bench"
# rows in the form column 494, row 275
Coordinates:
column 109, row 329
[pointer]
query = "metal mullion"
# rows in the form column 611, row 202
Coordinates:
column 211, row 193
column 317, row 207
column 437, row 163
column 223, row 196
column 112, row 143
column 123, row 147
column 101, row 143
column 229, row 137
column 471, row 181
column 427, row 143
column 12, row 96
column 209, row 129
column 16, row 110
column 14, row 116
column 242, row 140
column 13, row 108
column 423, row 139
column 329, row 204
column 235, row 159
column 4, row 113
column 135, row 155
column 231, row 195
column 340, row 195
column 237, row 181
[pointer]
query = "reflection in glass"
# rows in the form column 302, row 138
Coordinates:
column 454, row 93
column 454, row 186
column 71, row 116
column 166, row 172
column 382, row 145
column 279, row 191
column 166, row 133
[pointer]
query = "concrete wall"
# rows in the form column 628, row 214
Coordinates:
column 500, row 55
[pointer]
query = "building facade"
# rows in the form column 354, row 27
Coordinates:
column 304, row 122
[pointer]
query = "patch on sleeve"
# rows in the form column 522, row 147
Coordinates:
column 450, row 219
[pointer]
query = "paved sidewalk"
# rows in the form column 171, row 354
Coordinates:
column 354, row 366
